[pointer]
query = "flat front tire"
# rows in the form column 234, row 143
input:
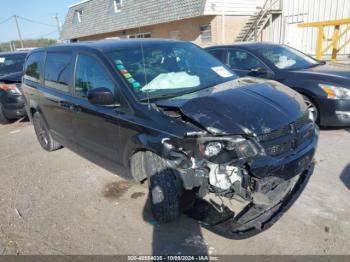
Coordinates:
column 43, row 134
column 164, row 189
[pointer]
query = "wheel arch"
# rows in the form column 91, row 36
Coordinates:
column 135, row 164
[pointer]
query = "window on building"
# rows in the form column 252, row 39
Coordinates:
column 32, row 66
column 117, row 5
column 205, row 31
column 141, row 35
column 78, row 14
column 58, row 70
column 174, row 34
column 90, row 74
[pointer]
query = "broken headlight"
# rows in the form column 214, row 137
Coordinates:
column 223, row 150
column 12, row 89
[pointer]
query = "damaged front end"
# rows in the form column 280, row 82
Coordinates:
column 263, row 174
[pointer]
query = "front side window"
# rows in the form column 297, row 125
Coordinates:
column 155, row 71
column 287, row 58
column 58, row 69
column 11, row 63
column 90, row 74
column 33, row 66
column 242, row 60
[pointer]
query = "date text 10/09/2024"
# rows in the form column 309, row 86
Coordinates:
column 173, row 258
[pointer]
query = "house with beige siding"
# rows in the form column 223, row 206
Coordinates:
column 204, row 22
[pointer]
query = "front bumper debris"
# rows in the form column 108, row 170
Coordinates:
column 253, row 219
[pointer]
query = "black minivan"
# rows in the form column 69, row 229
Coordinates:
column 168, row 112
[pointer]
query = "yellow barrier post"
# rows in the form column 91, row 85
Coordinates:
column 319, row 46
column 335, row 40
column 337, row 35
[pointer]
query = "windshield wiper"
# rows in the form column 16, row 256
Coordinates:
column 166, row 96
column 163, row 97
column 174, row 94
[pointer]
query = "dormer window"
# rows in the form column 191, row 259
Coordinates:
column 117, row 5
column 77, row 16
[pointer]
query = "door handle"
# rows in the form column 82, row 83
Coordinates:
column 74, row 108
column 63, row 104
column 69, row 106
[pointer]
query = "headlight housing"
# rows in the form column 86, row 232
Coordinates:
column 226, row 149
column 12, row 89
column 335, row 92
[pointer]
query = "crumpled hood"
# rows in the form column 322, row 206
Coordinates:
column 242, row 106
column 330, row 72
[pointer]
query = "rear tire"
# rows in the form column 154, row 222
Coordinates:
column 43, row 134
column 165, row 189
column 3, row 118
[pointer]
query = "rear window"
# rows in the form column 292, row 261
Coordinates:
column 58, row 71
column 11, row 63
column 33, row 66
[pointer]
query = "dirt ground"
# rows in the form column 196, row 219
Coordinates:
column 59, row 203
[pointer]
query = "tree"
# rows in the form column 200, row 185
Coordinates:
column 29, row 43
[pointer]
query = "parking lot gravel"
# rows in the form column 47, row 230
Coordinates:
column 59, row 203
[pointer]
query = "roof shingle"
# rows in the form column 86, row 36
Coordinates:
column 98, row 15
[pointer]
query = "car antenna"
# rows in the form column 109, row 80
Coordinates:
column 144, row 68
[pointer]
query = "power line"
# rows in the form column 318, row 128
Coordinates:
column 47, row 34
column 34, row 21
column 5, row 20
column 16, row 18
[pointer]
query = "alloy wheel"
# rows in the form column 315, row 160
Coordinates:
column 311, row 107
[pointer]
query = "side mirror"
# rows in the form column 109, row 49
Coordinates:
column 101, row 96
column 259, row 71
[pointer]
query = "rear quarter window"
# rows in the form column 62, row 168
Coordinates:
column 58, row 68
column 32, row 68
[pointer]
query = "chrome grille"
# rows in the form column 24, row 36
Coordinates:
column 275, row 134
column 302, row 121
column 286, row 139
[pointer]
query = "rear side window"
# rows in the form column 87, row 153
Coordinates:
column 58, row 71
column 90, row 74
column 32, row 68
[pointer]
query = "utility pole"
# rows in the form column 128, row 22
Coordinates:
column 58, row 23
column 13, row 46
column 18, row 31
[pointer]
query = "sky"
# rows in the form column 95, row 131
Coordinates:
column 42, row 11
